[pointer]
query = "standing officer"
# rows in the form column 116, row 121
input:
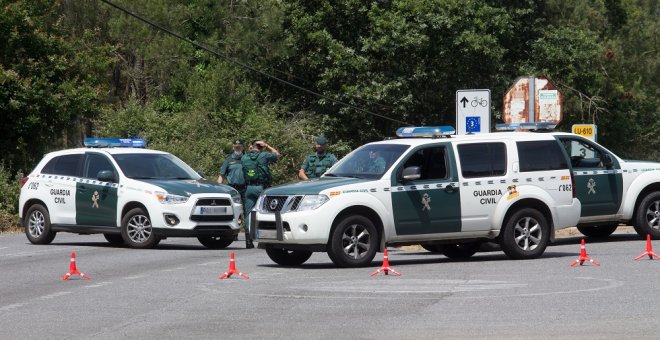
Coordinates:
column 231, row 172
column 257, row 177
column 318, row 163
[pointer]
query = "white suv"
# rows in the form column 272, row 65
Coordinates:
column 131, row 195
column 448, row 194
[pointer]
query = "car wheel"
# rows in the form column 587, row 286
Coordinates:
column 37, row 225
column 288, row 257
column 460, row 250
column 215, row 242
column 136, row 229
column 353, row 242
column 114, row 239
column 434, row 248
column 599, row 231
column 525, row 235
column 647, row 221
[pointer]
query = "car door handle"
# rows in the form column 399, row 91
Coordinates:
column 450, row 189
column 82, row 188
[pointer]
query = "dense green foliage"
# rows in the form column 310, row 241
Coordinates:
column 71, row 69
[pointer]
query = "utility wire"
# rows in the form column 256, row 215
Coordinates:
column 244, row 65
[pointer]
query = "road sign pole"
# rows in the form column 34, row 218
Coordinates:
column 532, row 96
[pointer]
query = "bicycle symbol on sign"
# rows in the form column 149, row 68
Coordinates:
column 479, row 101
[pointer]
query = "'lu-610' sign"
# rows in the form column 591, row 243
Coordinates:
column 588, row 131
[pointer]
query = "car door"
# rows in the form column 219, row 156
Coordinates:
column 59, row 177
column 96, row 201
column 598, row 183
column 430, row 204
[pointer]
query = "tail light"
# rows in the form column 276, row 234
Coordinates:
column 22, row 182
column 573, row 185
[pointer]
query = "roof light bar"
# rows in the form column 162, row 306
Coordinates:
column 526, row 126
column 115, row 143
column 425, row 131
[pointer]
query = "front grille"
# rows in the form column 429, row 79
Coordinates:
column 274, row 203
column 213, row 202
column 211, row 218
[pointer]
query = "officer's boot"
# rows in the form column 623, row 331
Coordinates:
column 248, row 241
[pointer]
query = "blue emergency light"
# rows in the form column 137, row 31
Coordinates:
column 425, row 131
column 115, row 143
column 526, row 126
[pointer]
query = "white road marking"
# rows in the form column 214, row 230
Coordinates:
column 54, row 295
column 35, row 252
column 100, row 284
column 214, row 263
column 134, row 277
column 10, row 307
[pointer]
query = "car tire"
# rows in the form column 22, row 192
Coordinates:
column 215, row 242
column 37, row 225
column 599, row 231
column 647, row 221
column 460, row 250
column 136, row 229
column 286, row 257
column 353, row 243
column 433, row 248
column 525, row 235
column 114, row 239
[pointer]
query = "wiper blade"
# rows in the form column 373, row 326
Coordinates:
column 330, row 175
column 141, row 177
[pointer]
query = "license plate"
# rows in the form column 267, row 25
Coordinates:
column 266, row 234
column 211, row 210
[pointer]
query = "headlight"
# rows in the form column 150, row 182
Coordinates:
column 236, row 198
column 311, row 202
column 166, row 198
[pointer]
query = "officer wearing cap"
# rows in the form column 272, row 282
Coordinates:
column 231, row 171
column 318, row 163
column 256, row 172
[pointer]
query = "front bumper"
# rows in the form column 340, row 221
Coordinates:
column 193, row 218
column 301, row 227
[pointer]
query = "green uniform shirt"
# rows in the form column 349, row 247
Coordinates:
column 376, row 166
column 263, row 158
column 232, row 170
column 316, row 165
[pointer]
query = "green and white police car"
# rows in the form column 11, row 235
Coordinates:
column 448, row 193
column 130, row 194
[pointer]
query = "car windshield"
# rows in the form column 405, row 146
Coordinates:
column 154, row 166
column 370, row 161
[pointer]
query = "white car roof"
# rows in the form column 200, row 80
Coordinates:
column 111, row 151
column 494, row 136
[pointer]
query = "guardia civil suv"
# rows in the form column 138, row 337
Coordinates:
column 448, row 193
column 129, row 194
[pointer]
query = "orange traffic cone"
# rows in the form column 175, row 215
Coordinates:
column 73, row 270
column 232, row 269
column 649, row 250
column 583, row 257
column 386, row 266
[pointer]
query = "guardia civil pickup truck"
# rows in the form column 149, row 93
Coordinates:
column 450, row 193
column 130, row 194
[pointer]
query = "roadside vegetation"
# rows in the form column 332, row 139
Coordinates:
column 75, row 69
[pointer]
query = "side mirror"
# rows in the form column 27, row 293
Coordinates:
column 411, row 173
column 106, row 176
column 608, row 161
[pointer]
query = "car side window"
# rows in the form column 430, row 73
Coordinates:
column 66, row 165
column 582, row 154
column 432, row 162
column 95, row 163
column 482, row 159
column 541, row 156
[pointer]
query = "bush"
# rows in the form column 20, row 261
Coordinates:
column 9, row 192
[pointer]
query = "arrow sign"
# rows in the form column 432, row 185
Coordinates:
column 464, row 101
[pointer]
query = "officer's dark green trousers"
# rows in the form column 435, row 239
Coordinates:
column 251, row 195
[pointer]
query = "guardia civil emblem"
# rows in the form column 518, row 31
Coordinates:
column 426, row 200
column 591, row 185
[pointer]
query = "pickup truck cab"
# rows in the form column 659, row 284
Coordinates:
column 430, row 187
column 612, row 190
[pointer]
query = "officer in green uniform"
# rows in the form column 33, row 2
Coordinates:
column 257, row 177
column 231, row 171
column 376, row 163
column 317, row 163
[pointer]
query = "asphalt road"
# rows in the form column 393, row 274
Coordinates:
column 174, row 292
